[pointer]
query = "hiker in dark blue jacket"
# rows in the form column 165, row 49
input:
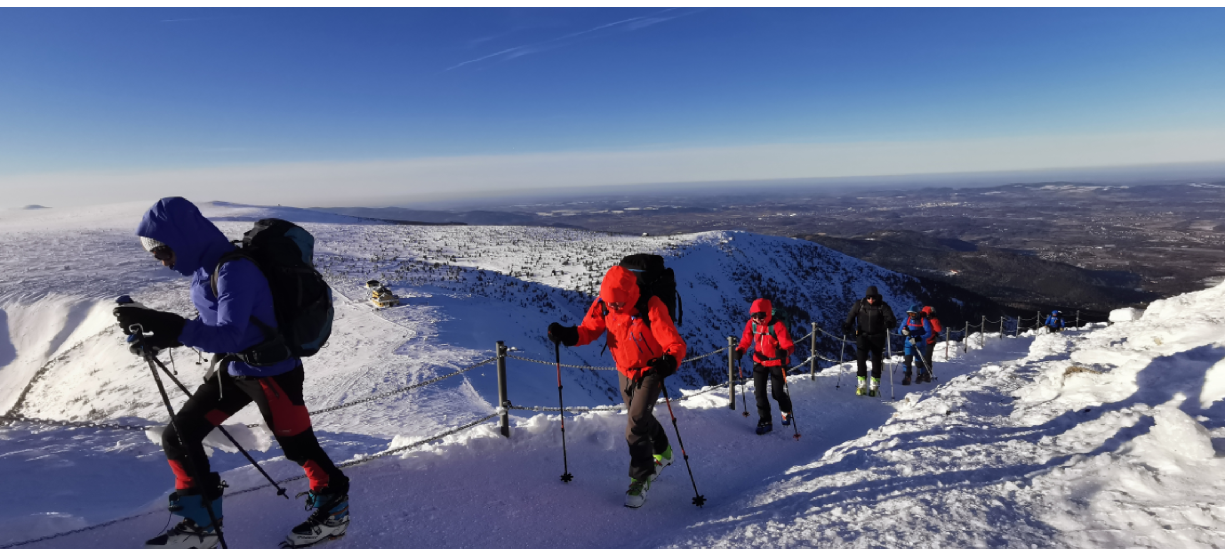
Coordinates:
column 237, row 324
column 1054, row 322
column 915, row 331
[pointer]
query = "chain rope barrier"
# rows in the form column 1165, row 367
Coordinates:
column 349, row 464
column 400, row 390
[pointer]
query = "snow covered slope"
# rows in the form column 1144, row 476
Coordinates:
column 1101, row 437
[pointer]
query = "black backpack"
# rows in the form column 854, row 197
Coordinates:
column 654, row 280
column 776, row 315
column 301, row 298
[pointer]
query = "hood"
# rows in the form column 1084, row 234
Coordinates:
column 619, row 286
column 196, row 242
column 763, row 305
column 871, row 292
column 929, row 310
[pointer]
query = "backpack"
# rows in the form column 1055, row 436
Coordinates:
column 654, row 280
column 776, row 315
column 301, row 298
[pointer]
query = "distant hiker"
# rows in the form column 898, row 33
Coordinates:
column 869, row 321
column 772, row 347
column 915, row 332
column 238, row 322
column 646, row 348
column 937, row 329
column 1054, row 322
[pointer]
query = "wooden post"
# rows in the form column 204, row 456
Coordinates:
column 812, row 352
column 503, row 402
column 731, row 373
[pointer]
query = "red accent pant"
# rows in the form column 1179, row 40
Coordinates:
column 280, row 401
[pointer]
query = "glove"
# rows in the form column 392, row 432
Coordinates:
column 905, row 331
column 663, row 366
column 164, row 327
column 912, row 341
column 848, row 329
column 739, row 353
column 567, row 336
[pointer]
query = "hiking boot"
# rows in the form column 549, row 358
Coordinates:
column 764, row 427
column 861, row 390
column 330, row 519
column 185, row 535
column 874, row 390
column 906, row 378
column 196, row 530
column 662, row 461
column 786, row 419
column 637, row 494
column 925, row 377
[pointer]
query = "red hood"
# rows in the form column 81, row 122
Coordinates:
column 763, row 305
column 927, row 310
column 619, row 286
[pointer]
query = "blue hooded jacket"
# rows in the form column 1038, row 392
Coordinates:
column 224, row 325
column 916, row 326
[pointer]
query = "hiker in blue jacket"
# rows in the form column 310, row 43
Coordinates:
column 239, row 325
column 1054, row 322
column 915, row 331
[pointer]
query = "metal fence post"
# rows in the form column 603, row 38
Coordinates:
column 946, row 344
column 965, row 341
column 731, row 372
column 503, row 402
column 1002, row 318
column 983, row 330
column 812, row 352
column 1077, row 318
column 1037, row 320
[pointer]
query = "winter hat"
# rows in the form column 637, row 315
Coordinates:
column 915, row 309
column 872, row 292
column 150, row 244
column 619, row 286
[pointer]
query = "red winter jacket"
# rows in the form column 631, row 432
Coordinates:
column 631, row 342
column 935, row 322
column 768, row 350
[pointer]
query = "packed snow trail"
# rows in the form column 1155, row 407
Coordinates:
column 431, row 496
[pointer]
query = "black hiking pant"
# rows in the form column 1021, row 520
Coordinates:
column 927, row 356
column 643, row 433
column 870, row 344
column 777, row 390
column 279, row 399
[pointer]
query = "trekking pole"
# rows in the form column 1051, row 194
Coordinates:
column 889, row 347
column 561, row 411
column 743, row 385
column 931, row 369
column 841, row 357
column 191, row 461
column 698, row 499
column 279, row 490
column 787, row 390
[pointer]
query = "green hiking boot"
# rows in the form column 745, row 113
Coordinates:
column 662, row 460
column 863, row 387
column 637, row 494
column 874, row 391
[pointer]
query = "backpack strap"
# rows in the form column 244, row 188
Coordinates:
column 273, row 349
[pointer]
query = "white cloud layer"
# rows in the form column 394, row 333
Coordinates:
column 370, row 182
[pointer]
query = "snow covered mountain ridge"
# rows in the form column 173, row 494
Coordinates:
column 1103, row 437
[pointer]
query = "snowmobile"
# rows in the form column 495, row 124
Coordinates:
column 381, row 296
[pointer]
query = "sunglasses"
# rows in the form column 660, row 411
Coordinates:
column 162, row 253
column 758, row 315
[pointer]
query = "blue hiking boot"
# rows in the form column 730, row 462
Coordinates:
column 786, row 419
column 196, row 530
column 764, row 427
column 330, row 519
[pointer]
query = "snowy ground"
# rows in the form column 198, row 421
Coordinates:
column 1100, row 437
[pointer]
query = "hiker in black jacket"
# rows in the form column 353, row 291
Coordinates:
column 870, row 320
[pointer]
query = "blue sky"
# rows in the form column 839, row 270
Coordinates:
column 164, row 92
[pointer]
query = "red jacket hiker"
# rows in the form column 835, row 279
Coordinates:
column 770, row 340
column 631, row 342
column 929, row 313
